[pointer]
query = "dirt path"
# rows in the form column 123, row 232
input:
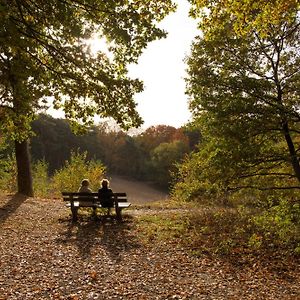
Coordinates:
column 43, row 255
column 138, row 192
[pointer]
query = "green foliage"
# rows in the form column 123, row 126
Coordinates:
column 244, row 100
column 207, row 174
column 279, row 225
column 262, row 199
column 163, row 160
column 245, row 15
column 45, row 52
column 196, row 180
column 77, row 168
column 41, row 182
column 8, row 174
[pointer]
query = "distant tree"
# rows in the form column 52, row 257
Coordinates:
column 53, row 141
column 129, row 161
column 44, row 52
column 121, row 153
column 114, row 142
column 155, row 135
column 193, row 135
column 163, row 160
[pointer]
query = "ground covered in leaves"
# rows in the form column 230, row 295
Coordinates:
column 43, row 255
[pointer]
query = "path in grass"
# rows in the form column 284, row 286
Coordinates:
column 138, row 192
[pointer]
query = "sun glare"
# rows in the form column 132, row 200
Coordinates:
column 97, row 44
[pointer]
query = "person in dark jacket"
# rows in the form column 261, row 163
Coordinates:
column 106, row 196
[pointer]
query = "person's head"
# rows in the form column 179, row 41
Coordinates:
column 85, row 182
column 105, row 183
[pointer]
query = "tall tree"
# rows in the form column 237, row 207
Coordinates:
column 44, row 53
column 244, row 97
column 244, row 15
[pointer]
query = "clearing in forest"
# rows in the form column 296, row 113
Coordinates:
column 43, row 255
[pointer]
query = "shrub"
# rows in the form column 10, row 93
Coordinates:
column 8, row 174
column 77, row 168
column 41, row 182
column 280, row 225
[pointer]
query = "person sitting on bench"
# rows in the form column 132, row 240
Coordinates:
column 105, row 195
column 84, row 188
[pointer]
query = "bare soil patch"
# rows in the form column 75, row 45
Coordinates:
column 43, row 255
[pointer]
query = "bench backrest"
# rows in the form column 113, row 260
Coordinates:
column 69, row 196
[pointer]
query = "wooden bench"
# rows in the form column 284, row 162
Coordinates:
column 75, row 200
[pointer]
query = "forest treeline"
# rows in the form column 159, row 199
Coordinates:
column 149, row 155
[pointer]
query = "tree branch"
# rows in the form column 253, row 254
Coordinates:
column 263, row 188
column 267, row 174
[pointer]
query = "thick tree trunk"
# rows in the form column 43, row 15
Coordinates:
column 292, row 150
column 24, row 176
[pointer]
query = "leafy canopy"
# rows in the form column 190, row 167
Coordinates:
column 44, row 52
column 245, row 15
column 244, row 98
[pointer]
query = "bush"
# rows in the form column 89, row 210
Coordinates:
column 41, row 182
column 8, row 174
column 280, row 225
column 77, row 168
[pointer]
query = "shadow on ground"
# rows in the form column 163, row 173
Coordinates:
column 11, row 206
column 88, row 232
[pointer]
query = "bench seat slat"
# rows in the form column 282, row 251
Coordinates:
column 69, row 195
column 97, row 205
column 123, row 204
column 83, row 204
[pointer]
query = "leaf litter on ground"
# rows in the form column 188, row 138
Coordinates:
column 43, row 255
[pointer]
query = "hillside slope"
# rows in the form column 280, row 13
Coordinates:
column 138, row 192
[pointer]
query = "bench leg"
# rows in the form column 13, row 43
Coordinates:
column 119, row 213
column 74, row 213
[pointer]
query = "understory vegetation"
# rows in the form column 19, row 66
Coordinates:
column 67, row 178
column 220, row 230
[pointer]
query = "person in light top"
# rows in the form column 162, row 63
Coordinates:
column 84, row 188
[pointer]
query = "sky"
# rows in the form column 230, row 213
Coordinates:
column 162, row 69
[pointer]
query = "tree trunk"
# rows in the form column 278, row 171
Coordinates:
column 24, row 176
column 292, row 150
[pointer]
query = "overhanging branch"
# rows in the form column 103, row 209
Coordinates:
column 263, row 188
